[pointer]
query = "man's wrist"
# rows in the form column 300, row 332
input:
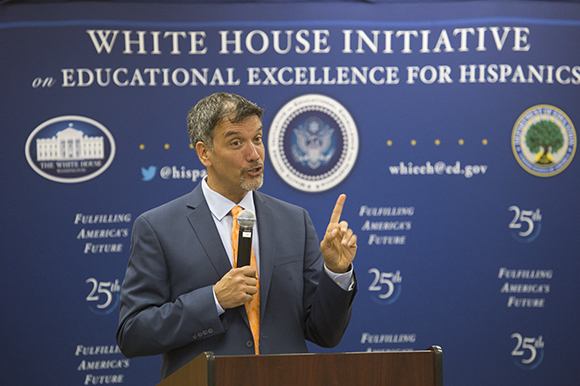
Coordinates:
column 338, row 270
column 218, row 306
column 344, row 280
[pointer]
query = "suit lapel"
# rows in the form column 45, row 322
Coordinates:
column 266, row 226
column 203, row 225
column 201, row 221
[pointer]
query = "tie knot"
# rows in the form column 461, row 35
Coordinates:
column 236, row 211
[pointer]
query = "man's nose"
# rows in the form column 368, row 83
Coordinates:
column 252, row 153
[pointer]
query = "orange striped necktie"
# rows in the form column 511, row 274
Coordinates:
column 253, row 307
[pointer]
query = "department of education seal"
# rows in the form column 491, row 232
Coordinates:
column 544, row 140
column 313, row 143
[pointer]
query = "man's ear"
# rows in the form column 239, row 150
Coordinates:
column 203, row 153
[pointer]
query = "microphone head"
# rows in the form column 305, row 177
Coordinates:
column 246, row 218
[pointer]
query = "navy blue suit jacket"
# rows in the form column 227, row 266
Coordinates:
column 167, row 305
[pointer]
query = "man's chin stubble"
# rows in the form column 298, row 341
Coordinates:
column 253, row 184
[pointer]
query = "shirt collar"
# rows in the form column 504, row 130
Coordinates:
column 221, row 206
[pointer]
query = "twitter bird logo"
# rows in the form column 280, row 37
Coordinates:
column 149, row 173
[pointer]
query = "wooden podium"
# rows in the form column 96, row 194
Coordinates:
column 401, row 368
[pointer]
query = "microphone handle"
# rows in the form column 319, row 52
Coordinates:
column 244, row 246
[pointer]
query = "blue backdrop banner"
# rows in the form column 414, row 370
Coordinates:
column 451, row 127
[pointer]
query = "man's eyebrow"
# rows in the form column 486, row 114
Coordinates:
column 233, row 133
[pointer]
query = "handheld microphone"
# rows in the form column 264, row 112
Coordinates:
column 246, row 220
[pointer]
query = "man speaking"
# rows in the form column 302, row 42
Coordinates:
column 181, row 296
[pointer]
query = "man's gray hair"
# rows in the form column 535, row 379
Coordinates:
column 205, row 115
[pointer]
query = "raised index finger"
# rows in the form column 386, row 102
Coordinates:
column 337, row 211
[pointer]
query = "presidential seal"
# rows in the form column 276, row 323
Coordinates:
column 313, row 143
column 544, row 140
column 70, row 149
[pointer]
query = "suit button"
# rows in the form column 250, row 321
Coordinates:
column 210, row 330
column 249, row 343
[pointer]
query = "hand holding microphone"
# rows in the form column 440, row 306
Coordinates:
column 238, row 286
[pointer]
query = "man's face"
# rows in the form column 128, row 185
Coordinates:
column 237, row 163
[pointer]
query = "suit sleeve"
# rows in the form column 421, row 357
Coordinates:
column 151, row 322
column 328, row 307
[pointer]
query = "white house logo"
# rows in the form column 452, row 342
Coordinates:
column 544, row 141
column 313, row 143
column 70, row 149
